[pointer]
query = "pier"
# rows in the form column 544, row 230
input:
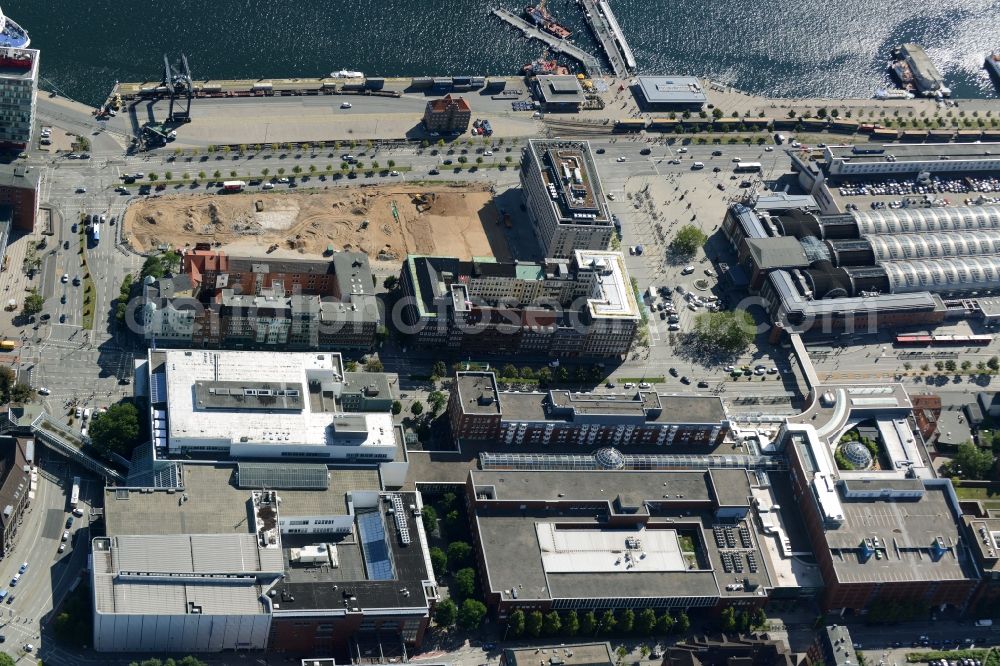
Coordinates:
column 590, row 62
column 605, row 27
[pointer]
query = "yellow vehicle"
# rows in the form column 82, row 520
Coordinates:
column 8, row 345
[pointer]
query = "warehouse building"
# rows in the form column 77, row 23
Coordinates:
column 595, row 540
column 558, row 93
column 297, row 558
column 580, row 308
column 564, row 197
column 271, row 405
column 861, row 269
column 478, row 411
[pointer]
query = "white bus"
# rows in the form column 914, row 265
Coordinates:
column 74, row 497
column 747, row 167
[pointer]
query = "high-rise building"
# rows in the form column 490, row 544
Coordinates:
column 18, row 91
column 564, row 197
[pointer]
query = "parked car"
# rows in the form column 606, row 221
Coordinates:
column 687, row 270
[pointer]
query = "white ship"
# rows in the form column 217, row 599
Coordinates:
column 12, row 35
column 347, row 74
column 893, row 94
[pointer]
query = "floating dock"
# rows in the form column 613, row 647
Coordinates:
column 605, row 27
column 590, row 62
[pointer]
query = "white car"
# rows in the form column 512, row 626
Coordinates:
column 65, row 278
column 682, row 150
column 687, row 270
column 621, row 158
column 768, row 149
column 488, row 153
column 346, row 105
column 79, row 412
column 282, row 180
column 393, row 173
column 644, row 385
column 674, row 327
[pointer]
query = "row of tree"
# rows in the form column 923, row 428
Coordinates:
column 645, row 623
column 12, row 391
column 185, row 661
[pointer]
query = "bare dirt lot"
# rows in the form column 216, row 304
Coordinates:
column 387, row 223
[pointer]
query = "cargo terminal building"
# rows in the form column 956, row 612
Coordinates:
column 477, row 410
column 282, row 557
column 865, row 269
column 594, row 540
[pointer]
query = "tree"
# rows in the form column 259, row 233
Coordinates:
column 464, row 583
column 626, row 620
column 445, row 613
column 950, row 365
column 608, row 622
column 429, row 517
column 571, row 624
column 717, row 113
column 439, row 369
column 374, row 365
column 683, row 624
column 33, row 302
column 390, row 283
column 687, row 240
column 7, row 378
column 726, row 332
column 993, row 363
column 168, row 175
column 6, row 659
column 508, row 371
column 588, row 624
column 727, row 619
column 439, row 561
column 397, row 407
column 471, row 615
column 972, row 462
column 417, row 408
column 665, row 623
column 515, row 623
column 437, row 400
column 646, row 622
column 21, row 393
column 459, row 554
column 116, row 429
column 534, row 624
column 552, row 624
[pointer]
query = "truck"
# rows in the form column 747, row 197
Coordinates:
column 233, row 185
column 74, row 497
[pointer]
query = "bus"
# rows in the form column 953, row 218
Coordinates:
column 747, row 167
column 8, row 345
column 95, row 233
column 74, row 497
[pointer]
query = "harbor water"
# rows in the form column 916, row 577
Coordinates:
column 830, row 48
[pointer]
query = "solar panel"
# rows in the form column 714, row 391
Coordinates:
column 158, row 388
column 284, row 476
column 374, row 546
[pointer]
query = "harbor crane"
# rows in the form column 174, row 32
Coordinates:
column 177, row 81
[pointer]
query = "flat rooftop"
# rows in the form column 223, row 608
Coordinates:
column 919, row 540
column 569, row 173
column 216, row 504
column 641, row 407
column 914, row 152
column 672, row 90
column 570, row 550
column 560, row 89
column 615, row 298
column 224, row 419
column 580, row 654
column 477, row 392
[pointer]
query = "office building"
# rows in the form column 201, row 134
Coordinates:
column 584, row 308
column 448, row 115
column 833, row 647
column 18, row 91
column 220, row 301
column 909, row 160
column 282, row 557
column 672, row 92
column 15, row 487
column 272, row 405
column 887, row 530
column 527, row 421
column 564, row 197
column 18, row 197
column 723, row 650
column 614, row 539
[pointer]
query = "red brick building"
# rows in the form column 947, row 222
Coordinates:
column 19, row 191
column 448, row 114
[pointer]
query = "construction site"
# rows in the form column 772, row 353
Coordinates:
column 386, row 223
